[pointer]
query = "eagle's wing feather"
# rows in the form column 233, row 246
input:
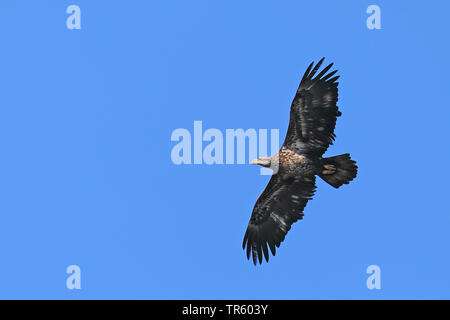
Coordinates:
column 314, row 112
column 277, row 208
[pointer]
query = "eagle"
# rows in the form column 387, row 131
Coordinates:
column 313, row 115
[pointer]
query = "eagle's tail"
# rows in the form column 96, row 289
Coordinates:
column 338, row 170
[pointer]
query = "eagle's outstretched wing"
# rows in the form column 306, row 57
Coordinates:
column 277, row 208
column 314, row 112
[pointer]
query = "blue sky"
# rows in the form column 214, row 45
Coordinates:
column 86, row 176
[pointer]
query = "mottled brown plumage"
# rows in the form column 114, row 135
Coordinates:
column 311, row 130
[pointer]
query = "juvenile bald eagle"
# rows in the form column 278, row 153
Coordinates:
column 311, row 130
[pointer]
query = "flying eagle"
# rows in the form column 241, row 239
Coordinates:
column 311, row 130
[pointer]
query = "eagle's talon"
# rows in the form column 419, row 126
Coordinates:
column 329, row 169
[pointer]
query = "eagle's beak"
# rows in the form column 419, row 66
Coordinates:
column 263, row 161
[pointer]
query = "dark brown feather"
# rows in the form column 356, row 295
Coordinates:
column 314, row 112
column 277, row 208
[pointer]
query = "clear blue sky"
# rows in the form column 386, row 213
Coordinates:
column 86, row 176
